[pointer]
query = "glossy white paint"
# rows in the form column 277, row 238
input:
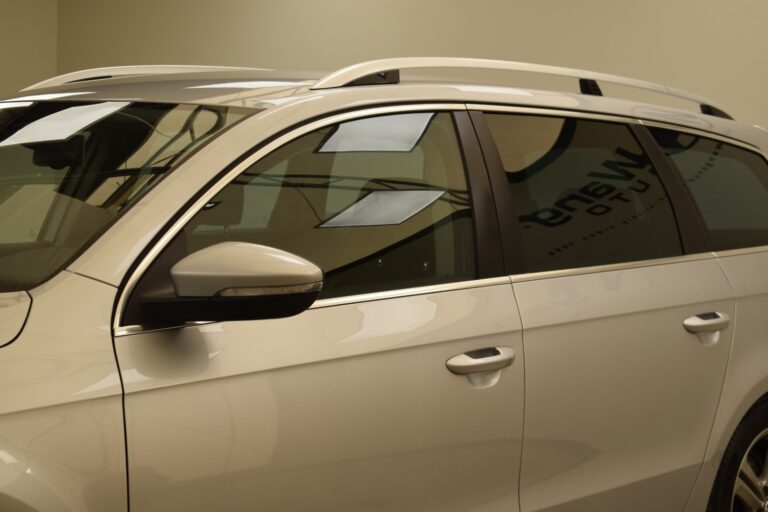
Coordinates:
column 350, row 404
column 231, row 266
column 61, row 425
column 349, row 407
column 620, row 398
column 746, row 379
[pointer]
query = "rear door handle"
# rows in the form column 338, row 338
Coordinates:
column 482, row 360
column 707, row 322
column 707, row 326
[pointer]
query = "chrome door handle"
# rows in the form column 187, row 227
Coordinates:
column 482, row 360
column 707, row 322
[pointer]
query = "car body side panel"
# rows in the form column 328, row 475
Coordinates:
column 62, row 445
column 347, row 407
column 746, row 379
column 620, row 398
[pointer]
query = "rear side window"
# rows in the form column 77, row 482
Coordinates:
column 584, row 191
column 729, row 184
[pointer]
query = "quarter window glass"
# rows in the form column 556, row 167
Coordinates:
column 729, row 185
column 584, row 191
column 378, row 203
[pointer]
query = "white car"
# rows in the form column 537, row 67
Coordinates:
column 237, row 290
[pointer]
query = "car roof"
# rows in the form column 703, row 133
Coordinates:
column 260, row 89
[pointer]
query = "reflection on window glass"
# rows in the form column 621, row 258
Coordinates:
column 373, row 218
column 68, row 168
column 729, row 185
column 584, row 191
column 387, row 133
column 382, row 207
column 63, row 124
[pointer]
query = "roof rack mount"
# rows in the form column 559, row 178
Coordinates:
column 121, row 71
column 387, row 71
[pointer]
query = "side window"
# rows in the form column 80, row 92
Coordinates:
column 729, row 184
column 584, row 191
column 378, row 203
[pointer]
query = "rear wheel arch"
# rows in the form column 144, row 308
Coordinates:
column 734, row 444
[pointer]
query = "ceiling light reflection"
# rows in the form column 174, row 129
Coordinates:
column 399, row 132
column 14, row 104
column 245, row 85
column 384, row 207
column 63, row 124
column 49, row 96
column 7, row 458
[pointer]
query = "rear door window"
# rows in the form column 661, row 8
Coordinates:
column 584, row 191
column 729, row 185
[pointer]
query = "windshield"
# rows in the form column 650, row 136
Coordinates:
column 67, row 170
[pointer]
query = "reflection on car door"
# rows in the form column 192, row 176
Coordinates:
column 620, row 398
column 348, row 407
column 620, row 394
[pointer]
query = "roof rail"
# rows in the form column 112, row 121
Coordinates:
column 387, row 71
column 118, row 71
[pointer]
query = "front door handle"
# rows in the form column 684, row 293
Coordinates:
column 482, row 360
column 707, row 326
column 707, row 322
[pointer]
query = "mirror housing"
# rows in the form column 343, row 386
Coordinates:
column 237, row 281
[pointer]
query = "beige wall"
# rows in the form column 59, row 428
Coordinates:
column 28, row 41
column 714, row 47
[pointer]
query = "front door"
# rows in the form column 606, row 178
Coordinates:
column 350, row 405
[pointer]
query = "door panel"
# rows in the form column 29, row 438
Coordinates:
column 620, row 398
column 348, row 407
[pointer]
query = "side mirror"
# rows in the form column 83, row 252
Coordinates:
column 238, row 281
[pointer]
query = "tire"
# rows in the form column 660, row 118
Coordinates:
column 742, row 480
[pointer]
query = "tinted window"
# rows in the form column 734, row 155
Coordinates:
column 378, row 203
column 584, row 191
column 729, row 184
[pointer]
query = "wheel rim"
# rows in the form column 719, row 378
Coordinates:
column 750, row 490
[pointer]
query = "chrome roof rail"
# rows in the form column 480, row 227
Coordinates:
column 387, row 71
column 118, row 71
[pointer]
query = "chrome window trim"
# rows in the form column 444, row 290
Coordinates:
column 703, row 133
column 138, row 329
column 741, row 251
column 149, row 257
column 510, row 109
column 205, row 198
column 551, row 112
column 629, row 265
column 410, row 292
column 353, row 299
column 467, row 285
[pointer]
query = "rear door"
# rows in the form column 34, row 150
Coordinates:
column 728, row 181
column 350, row 405
column 620, row 394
